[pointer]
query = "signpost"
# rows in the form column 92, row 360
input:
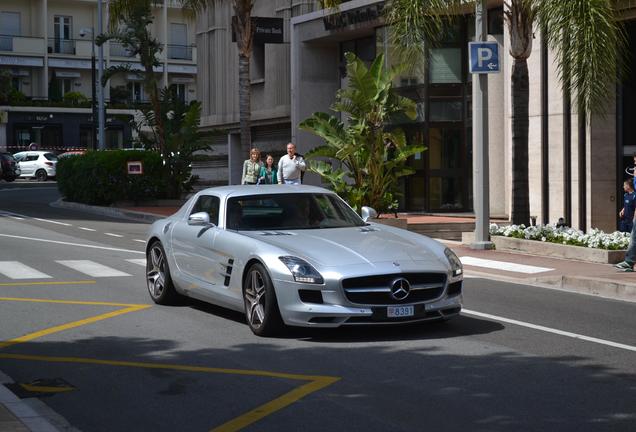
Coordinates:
column 483, row 59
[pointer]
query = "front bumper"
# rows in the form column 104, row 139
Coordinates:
column 336, row 310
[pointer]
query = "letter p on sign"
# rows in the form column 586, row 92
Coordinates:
column 483, row 57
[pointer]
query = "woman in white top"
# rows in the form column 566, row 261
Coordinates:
column 252, row 168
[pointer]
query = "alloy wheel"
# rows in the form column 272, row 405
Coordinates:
column 156, row 271
column 255, row 299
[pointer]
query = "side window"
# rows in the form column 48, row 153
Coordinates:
column 18, row 157
column 209, row 204
column 30, row 158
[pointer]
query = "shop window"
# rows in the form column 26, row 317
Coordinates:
column 86, row 137
column 445, row 110
column 180, row 91
column 136, row 91
column 446, row 65
column 363, row 48
column 445, row 193
column 257, row 65
column 444, row 148
column 114, row 138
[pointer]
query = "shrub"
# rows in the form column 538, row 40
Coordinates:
column 594, row 238
column 101, row 178
column 75, row 99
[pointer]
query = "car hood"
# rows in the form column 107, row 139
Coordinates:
column 347, row 246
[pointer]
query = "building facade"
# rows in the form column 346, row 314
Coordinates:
column 46, row 46
column 575, row 177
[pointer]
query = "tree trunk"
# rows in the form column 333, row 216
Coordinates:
column 520, row 99
column 245, row 108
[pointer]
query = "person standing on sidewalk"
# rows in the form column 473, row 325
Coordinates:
column 291, row 166
column 251, row 168
column 629, row 207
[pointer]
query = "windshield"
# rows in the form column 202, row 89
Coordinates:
column 289, row 211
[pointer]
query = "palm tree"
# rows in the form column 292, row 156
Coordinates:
column 585, row 36
column 244, row 38
column 136, row 15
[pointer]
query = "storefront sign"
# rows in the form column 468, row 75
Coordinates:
column 267, row 30
column 21, row 61
column 69, row 63
column 344, row 19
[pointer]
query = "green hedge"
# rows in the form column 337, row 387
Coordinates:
column 101, row 178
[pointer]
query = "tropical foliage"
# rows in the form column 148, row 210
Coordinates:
column 168, row 125
column 182, row 139
column 364, row 160
column 594, row 238
column 585, row 35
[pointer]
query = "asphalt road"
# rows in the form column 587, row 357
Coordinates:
column 519, row 358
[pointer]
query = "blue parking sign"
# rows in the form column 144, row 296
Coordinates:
column 483, row 57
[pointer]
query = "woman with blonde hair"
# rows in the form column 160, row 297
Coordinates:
column 252, row 168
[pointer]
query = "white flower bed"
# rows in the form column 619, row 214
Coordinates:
column 594, row 238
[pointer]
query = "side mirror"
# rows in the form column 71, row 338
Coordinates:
column 368, row 213
column 200, row 219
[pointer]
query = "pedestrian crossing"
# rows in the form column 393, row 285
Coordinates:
column 16, row 270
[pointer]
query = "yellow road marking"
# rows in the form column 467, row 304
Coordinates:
column 71, row 302
column 316, row 382
column 70, row 325
column 279, row 403
column 84, row 282
column 45, row 389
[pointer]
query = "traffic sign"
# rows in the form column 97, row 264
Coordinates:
column 483, row 57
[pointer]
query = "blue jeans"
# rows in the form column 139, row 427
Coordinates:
column 630, row 255
column 292, row 181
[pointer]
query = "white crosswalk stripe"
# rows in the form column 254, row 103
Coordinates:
column 17, row 270
column 92, row 268
column 502, row 265
column 138, row 261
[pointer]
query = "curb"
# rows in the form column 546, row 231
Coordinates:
column 113, row 212
column 32, row 415
column 596, row 287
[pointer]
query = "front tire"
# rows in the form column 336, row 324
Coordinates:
column 41, row 175
column 261, row 306
column 158, row 280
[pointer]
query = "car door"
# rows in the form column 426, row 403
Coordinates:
column 28, row 164
column 193, row 245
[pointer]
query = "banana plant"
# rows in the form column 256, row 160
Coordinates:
column 361, row 158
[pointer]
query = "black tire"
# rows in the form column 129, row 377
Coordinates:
column 261, row 307
column 41, row 175
column 158, row 280
column 9, row 179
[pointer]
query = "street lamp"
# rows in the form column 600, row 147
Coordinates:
column 83, row 32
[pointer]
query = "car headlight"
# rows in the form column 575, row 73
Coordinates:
column 302, row 270
column 455, row 263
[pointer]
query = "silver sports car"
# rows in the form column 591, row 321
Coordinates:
column 299, row 256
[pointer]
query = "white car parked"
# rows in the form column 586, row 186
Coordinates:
column 38, row 164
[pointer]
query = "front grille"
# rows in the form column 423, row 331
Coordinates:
column 376, row 290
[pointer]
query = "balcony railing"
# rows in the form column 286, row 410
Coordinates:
column 180, row 52
column 61, row 46
column 22, row 44
column 118, row 50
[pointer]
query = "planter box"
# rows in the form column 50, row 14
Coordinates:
column 535, row 247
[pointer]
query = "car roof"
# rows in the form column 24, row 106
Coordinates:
column 245, row 190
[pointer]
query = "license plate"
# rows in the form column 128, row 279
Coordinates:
column 399, row 311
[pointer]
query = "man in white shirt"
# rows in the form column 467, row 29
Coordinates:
column 291, row 166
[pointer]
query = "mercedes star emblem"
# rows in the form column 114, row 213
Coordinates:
column 400, row 289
